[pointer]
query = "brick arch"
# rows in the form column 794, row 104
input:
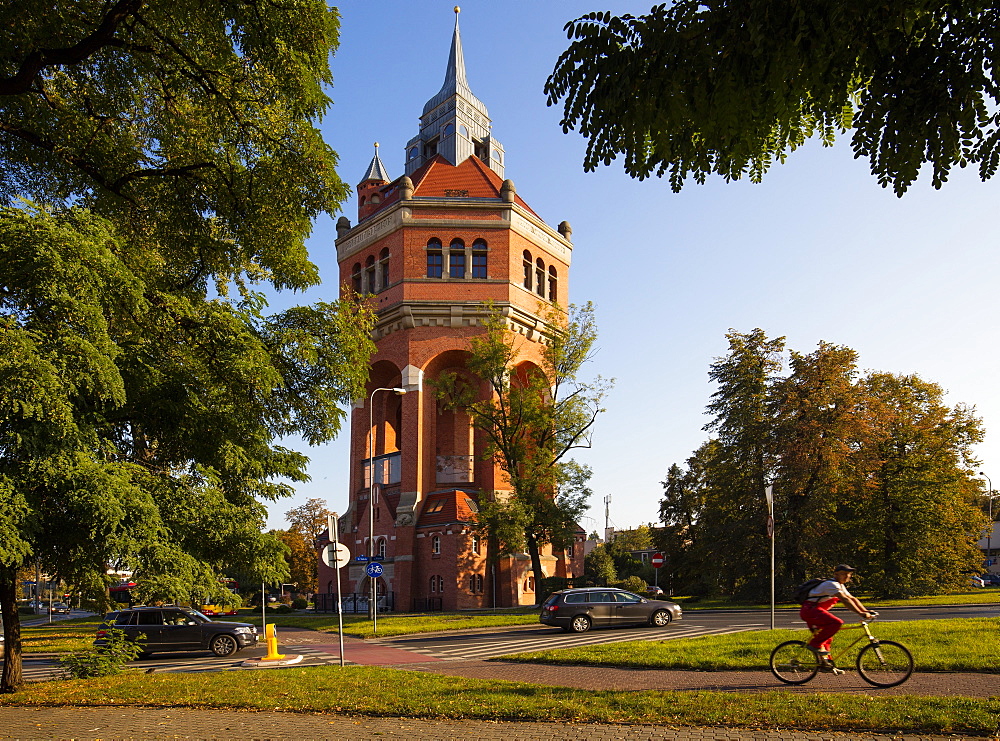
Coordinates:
column 387, row 408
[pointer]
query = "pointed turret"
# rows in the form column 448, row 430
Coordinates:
column 369, row 189
column 455, row 123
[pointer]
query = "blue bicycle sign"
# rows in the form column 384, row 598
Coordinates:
column 373, row 569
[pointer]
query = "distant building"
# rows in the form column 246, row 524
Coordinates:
column 430, row 248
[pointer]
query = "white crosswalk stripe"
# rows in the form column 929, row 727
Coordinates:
column 489, row 646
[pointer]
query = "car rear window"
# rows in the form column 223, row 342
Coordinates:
column 152, row 617
column 575, row 599
column 602, row 597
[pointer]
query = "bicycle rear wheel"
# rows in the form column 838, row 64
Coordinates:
column 793, row 662
column 885, row 663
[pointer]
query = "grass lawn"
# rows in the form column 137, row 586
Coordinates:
column 394, row 625
column 388, row 692
column 64, row 635
column 957, row 645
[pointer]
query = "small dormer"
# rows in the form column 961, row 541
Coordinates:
column 370, row 188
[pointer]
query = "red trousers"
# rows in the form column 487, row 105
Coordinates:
column 819, row 617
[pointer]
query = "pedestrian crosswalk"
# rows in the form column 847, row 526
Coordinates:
column 489, row 645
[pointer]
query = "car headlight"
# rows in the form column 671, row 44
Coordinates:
column 244, row 630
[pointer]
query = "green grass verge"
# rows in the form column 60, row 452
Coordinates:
column 394, row 625
column 378, row 691
column 65, row 635
column 987, row 596
column 956, row 645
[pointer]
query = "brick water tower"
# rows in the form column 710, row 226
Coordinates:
column 430, row 249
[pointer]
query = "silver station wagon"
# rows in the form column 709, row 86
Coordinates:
column 579, row 610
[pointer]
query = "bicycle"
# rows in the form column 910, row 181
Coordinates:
column 880, row 663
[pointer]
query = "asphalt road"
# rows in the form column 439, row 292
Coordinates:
column 468, row 646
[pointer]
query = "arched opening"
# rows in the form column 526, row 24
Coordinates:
column 479, row 259
column 370, row 274
column 435, row 261
column 553, row 283
column 540, row 277
column 383, row 264
column 526, row 257
column 456, row 259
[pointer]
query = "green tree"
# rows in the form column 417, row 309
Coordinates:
column 533, row 416
column 599, row 567
column 173, row 150
column 732, row 541
column 695, row 88
column 307, row 523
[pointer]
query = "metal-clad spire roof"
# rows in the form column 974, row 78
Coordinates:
column 455, row 81
column 376, row 170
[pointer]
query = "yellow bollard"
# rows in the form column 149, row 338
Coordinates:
column 272, row 644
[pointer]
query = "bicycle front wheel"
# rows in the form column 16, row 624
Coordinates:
column 885, row 663
column 793, row 662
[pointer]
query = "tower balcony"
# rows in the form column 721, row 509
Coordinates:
column 455, row 469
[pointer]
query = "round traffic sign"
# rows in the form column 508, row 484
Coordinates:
column 657, row 560
column 336, row 558
column 374, row 568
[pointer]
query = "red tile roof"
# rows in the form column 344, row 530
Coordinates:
column 446, row 507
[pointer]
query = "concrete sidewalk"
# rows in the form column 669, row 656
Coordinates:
column 118, row 724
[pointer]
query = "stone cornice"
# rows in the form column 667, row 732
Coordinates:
column 411, row 314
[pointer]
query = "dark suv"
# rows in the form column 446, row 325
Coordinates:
column 178, row 629
column 577, row 610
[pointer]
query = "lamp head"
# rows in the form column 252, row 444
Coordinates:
column 399, row 391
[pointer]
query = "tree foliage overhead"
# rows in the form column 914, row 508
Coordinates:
column 694, row 88
column 874, row 470
column 159, row 164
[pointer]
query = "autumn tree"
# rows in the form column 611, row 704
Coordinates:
column 307, row 523
column 695, row 88
column 914, row 521
column 159, row 166
column 821, row 433
column 876, row 471
column 532, row 417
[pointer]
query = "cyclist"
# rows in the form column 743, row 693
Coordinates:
column 816, row 613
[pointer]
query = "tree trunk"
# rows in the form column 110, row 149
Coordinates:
column 12, row 677
column 536, row 566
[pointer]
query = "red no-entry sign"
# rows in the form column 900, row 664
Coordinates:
column 657, row 560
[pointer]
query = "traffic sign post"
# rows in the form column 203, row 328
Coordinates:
column 657, row 562
column 336, row 555
column 340, row 551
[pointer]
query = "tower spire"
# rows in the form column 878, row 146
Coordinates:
column 454, row 75
column 376, row 170
column 454, row 123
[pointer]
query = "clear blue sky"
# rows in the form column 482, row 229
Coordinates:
column 817, row 252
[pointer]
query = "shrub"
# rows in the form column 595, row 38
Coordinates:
column 300, row 603
column 633, row 584
column 102, row 661
column 280, row 609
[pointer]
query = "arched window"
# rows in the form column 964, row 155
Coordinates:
column 383, row 264
column 472, row 583
column 436, row 545
column 475, row 543
column 370, row 274
column 435, row 265
column 441, row 584
column 479, row 259
column 434, row 583
column 553, row 283
column 529, row 584
column 527, row 269
column 363, row 200
column 356, row 277
column 540, row 277
column 412, row 154
column 449, row 130
column 479, row 582
column 380, row 547
column 456, row 259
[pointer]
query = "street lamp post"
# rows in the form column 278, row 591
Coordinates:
column 989, row 500
column 372, row 608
